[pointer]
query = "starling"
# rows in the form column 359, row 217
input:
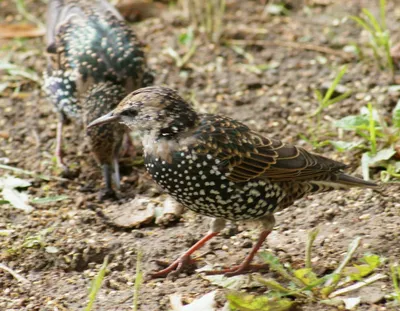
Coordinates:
column 94, row 60
column 219, row 167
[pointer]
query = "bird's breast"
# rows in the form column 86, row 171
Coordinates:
column 196, row 181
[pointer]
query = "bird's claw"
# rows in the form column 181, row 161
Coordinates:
column 237, row 270
column 60, row 162
column 107, row 193
column 173, row 269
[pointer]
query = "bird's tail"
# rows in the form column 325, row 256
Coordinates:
column 343, row 182
column 352, row 181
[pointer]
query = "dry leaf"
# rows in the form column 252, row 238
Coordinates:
column 134, row 10
column 17, row 199
column 204, row 303
column 20, row 30
column 170, row 212
column 139, row 211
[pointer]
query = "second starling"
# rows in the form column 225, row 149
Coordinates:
column 219, row 167
column 94, row 59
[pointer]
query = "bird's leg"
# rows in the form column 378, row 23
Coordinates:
column 108, row 191
column 268, row 222
column 216, row 226
column 59, row 140
column 116, row 174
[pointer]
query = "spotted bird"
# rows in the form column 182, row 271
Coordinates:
column 219, row 167
column 94, row 60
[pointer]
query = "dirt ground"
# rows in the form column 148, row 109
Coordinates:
column 276, row 101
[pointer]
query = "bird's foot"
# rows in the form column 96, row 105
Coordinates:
column 237, row 270
column 60, row 161
column 63, row 169
column 107, row 193
column 65, row 172
column 182, row 263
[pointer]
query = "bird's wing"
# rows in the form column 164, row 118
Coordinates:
column 245, row 154
column 91, row 38
column 60, row 11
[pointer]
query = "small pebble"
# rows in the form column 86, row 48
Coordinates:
column 247, row 244
column 365, row 216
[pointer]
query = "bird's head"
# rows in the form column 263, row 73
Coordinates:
column 152, row 109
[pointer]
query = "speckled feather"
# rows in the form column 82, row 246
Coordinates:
column 88, row 43
column 218, row 166
column 94, row 60
column 105, row 140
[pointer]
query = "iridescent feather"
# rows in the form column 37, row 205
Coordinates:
column 91, row 52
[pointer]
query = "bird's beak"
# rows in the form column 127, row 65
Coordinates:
column 109, row 117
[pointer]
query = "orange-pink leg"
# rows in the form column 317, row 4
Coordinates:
column 185, row 259
column 245, row 266
column 268, row 222
column 216, row 226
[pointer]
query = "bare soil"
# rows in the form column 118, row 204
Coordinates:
column 276, row 102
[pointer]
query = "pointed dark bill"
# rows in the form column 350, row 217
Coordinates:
column 109, row 117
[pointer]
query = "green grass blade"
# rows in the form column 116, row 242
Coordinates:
column 20, row 4
column 372, row 20
column 396, row 115
column 389, row 57
column 30, row 173
column 16, row 70
column 372, row 129
column 333, row 86
column 318, row 94
column 382, row 13
column 273, row 285
column 350, row 251
column 49, row 199
column 312, row 235
column 338, row 98
column 395, row 275
column 188, row 55
column 96, row 285
column 319, row 97
column 375, row 52
column 138, row 280
column 275, row 265
column 362, row 23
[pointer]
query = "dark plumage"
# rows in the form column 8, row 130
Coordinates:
column 105, row 140
column 94, row 60
column 217, row 166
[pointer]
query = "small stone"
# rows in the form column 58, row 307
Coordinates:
column 247, row 244
column 365, row 217
column 114, row 284
column 137, row 234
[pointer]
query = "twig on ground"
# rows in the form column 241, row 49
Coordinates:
column 358, row 285
column 15, row 274
column 34, row 174
column 294, row 45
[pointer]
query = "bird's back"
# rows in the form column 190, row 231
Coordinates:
column 93, row 38
column 88, row 43
column 221, row 168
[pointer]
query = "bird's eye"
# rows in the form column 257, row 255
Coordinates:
column 129, row 113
